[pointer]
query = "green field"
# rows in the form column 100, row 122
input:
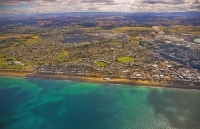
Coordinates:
column 32, row 40
column 124, row 29
column 3, row 62
column 181, row 29
column 116, row 43
column 171, row 30
column 15, row 40
column 61, row 55
column 14, row 67
column 101, row 63
column 125, row 59
column 4, row 65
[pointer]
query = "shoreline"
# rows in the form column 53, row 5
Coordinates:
column 95, row 80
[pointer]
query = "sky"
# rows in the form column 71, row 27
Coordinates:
column 54, row 6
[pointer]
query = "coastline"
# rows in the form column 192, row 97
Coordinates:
column 95, row 80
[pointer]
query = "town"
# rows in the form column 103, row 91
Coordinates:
column 97, row 46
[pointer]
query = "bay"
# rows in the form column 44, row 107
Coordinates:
column 29, row 103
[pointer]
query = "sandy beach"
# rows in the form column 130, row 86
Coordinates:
column 96, row 80
column 14, row 74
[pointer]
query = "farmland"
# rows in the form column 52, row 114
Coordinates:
column 181, row 29
column 13, row 40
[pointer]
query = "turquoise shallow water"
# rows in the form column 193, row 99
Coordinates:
column 51, row 104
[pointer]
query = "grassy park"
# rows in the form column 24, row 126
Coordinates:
column 125, row 59
column 61, row 55
column 14, row 67
column 116, row 43
column 101, row 63
column 32, row 40
column 5, row 65
column 2, row 61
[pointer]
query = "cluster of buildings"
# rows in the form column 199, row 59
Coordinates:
column 163, row 58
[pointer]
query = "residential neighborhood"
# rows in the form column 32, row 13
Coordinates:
column 168, row 55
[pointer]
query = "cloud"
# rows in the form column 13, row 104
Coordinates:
column 106, row 2
column 197, row 1
column 50, row 0
column 15, row 6
column 170, row 5
column 93, row 9
column 196, row 7
column 163, row 1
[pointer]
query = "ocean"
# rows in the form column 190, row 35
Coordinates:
column 28, row 103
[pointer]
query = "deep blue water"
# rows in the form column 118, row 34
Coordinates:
column 52, row 104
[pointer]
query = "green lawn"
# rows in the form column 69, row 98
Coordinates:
column 14, row 67
column 125, row 59
column 32, row 40
column 117, row 43
column 2, row 65
column 61, row 55
column 101, row 63
column 2, row 61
